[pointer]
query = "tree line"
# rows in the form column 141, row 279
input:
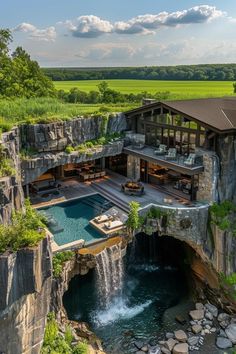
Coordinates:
column 207, row 72
column 107, row 95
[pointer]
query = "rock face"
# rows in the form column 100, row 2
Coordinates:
column 25, row 283
column 11, row 193
column 35, row 167
column 56, row 136
column 78, row 265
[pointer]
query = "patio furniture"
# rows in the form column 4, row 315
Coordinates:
column 172, row 154
column 138, row 145
column 161, row 150
column 132, row 188
column 110, row 225
column 190, row 161
column 101, row 218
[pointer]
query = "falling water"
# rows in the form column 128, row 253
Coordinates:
column 109, row 269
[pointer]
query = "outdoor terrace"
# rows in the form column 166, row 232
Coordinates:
column 147, row 153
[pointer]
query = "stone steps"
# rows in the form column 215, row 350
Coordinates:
column 117, row 201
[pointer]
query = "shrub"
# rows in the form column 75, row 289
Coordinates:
column 69, row 149
column 223, row 215
column 81, row 348
column 58, row 261
column 26, row 230
column 54, row 343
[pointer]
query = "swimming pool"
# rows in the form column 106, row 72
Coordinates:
column 69, row 221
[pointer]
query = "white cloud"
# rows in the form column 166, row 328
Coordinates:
column 47, row 34
column 89, row 26
column 148, row 24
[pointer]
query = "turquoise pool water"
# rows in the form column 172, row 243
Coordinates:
column 69, row 221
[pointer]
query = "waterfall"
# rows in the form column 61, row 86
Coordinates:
column 109, row 269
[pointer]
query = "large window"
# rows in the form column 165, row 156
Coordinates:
column 171, row 129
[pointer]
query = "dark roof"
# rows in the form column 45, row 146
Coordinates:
column 218, row 113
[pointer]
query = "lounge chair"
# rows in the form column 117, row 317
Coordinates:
column 172, row 154
column 101, row 218
column 110, row 225
column 161, row 150
column 190, row 161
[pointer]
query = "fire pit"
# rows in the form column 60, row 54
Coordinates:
column 132, row 188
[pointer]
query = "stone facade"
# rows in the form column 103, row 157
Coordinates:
column 208, row 179
column 133, row 167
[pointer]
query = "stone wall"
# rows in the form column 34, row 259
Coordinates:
column 185, row 224
column 56, row 136
column 25, row 283
column 133, row 167
column 208, row 179
column 35, row 167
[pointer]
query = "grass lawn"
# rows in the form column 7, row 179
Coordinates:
column 48, row 109
column 178, row 89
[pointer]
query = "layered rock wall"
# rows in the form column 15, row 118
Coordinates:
column 35, row 167
column 25, row 283
column 11, row 193
column 56, row 136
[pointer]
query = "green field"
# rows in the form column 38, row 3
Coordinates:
column 178, row 89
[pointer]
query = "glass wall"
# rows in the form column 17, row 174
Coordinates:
column 174, row 131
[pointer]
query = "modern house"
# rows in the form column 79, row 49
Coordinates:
column 179, row 147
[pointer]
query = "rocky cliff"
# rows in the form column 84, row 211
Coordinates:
column 25, row 283
column 11, row 193
column 56, row 136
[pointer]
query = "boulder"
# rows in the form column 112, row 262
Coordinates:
column 165, row 350
column 231, row 333
column 181, row 336
column 196, row 329
column 145, row 348
column 224, row 324
column 223, row 343
column 170, row 343
column 139, row 352
column 197, row 314
column 155, row 350
column 209, row 316
column 193, row 340
column 199, row 306
column 223, row 317
column 181, row 348
column 212, row 309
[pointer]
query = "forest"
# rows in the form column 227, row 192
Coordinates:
column 207, row 72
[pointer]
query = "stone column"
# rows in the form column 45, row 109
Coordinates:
column 103, row 161
column 133, row 167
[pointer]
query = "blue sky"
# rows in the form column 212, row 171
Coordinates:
column 122, row 33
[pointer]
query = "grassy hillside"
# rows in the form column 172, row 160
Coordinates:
column 178, row 89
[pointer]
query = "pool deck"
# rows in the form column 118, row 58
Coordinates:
column 110, row 188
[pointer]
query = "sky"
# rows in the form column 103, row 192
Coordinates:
column 99, row 33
